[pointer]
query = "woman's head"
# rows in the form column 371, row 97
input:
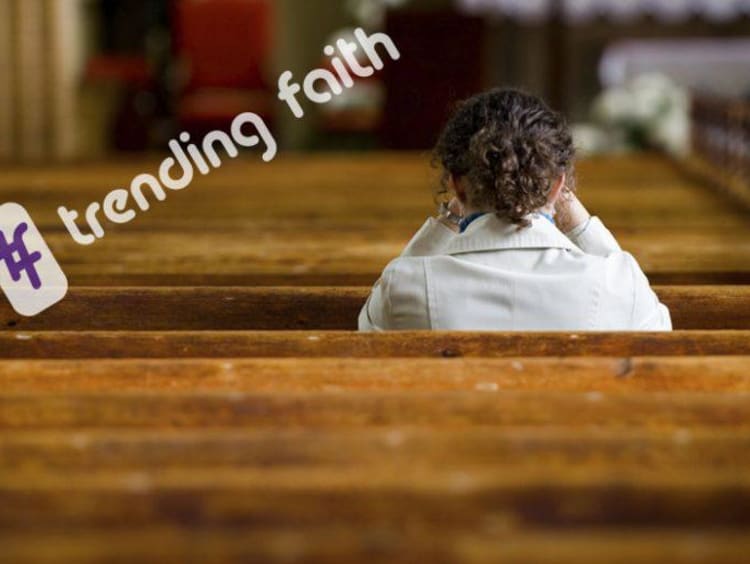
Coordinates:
column 507, row 150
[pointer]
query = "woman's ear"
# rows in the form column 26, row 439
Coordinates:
column 556, row 190
column 457, row 185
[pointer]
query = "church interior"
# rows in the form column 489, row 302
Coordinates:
column 202, row 394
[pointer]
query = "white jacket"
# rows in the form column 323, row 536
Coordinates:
column 497, row 277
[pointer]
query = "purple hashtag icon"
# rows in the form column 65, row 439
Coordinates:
column 17, row 257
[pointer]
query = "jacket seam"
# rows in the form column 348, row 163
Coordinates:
column 635, row 290
column 430, row 295
column 596, row 299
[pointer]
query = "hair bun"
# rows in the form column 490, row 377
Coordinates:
column 509, row 146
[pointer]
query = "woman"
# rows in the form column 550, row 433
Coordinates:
column 515, row 249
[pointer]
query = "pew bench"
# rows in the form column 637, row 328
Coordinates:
column 301, row 308
column 341, row 344
column 174, row 409
column 330, row 219
column 402, row 459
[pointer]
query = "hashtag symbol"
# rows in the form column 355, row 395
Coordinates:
column 17, row 257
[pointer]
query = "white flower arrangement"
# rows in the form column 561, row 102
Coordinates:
column 650, row 111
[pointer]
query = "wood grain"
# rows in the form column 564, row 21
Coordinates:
column 177, row 408
column 284, row 375
column 432, row 501
column 190, row 410
column 316, row 344
column 492, row 541
column 50, row 452
column 303, row 308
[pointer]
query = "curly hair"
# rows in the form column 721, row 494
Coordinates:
column 509, row 147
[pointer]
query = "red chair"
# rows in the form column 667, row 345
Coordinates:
column 225, row 48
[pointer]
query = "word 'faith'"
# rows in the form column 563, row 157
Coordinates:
column 343, row 77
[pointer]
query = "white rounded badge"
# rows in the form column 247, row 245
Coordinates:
column 29, row 274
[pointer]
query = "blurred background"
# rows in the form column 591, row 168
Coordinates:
column 92, row 79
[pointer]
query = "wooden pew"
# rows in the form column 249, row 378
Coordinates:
column 313, row 308
column 45, row 452
column 721, row 145
column 315, row 344
column 177, row 423
column 448, row 461
column 339, row 219
column 607, row 374
column 379, row 543
column 133, row 457
column 189, row 410
column 160, row 461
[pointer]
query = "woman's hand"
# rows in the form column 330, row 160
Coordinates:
column 450, row 217
column 569, row 211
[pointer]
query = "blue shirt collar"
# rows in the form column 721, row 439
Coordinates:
column 465, row 222
column 490, row 233
column 548, row 217
column 468, row 219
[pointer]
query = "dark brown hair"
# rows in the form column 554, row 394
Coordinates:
column 510, row 147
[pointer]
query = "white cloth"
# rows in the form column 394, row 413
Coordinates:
column 710, row 66
column 583, row 11
column 495, row 276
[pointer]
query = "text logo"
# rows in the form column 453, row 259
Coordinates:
column 29, row 274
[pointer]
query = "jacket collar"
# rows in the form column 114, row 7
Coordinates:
column 490, row 233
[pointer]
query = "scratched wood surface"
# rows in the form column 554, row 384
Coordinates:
column 315, row 460
column 185, row 404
